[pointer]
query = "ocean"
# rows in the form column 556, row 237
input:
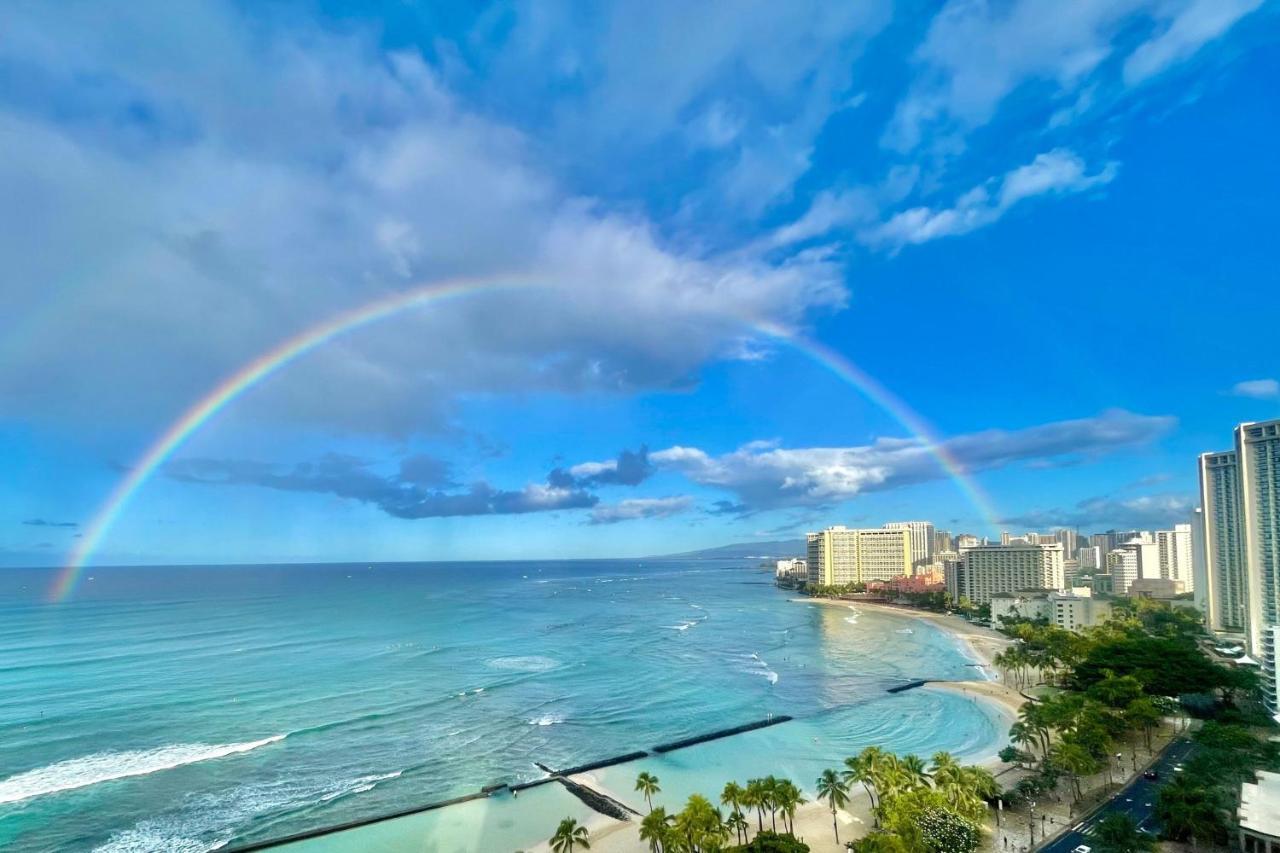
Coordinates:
column 190, row 708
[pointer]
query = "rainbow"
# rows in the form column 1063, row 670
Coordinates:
column 309, row 339
column 896, row 408
column 232, row 387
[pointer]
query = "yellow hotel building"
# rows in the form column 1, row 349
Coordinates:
column 841, row 555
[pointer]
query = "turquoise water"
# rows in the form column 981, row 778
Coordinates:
column 186, row 708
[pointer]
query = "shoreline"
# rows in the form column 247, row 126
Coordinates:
column 813, row 820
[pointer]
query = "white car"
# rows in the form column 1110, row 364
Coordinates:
column 1083, row 848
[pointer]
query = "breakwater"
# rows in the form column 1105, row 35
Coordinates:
column 736, row 730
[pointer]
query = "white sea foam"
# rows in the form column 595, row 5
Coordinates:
column 852, row 620
column 106, row 766
column 210, row 821
column 765, row 673
column 360, row 785
column 904, row 631
column 547, row 720
column 527, row 663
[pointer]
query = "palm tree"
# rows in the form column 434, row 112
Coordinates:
column 832, row 789
column 732, row 796
column 789, row 799
column 1117, row 833
column 700, row 825
column 738, row 825
column 655, row 827
column 647, row 784
column 1023, row 735
column 1192, row 810
column 569, row 835
column 917, row 775
column 769, row 789
column 863, row 768
column 753, row 798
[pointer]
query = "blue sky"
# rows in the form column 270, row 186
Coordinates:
column 1048, row 228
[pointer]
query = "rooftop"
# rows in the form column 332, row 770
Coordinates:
column 1260, row 805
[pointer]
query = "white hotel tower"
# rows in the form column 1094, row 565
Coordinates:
column 1240, row 499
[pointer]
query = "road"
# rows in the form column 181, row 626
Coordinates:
column 1137, row 799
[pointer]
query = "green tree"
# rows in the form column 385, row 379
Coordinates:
column 699, row 825
column 736, row 823
column 568, row 836
column 1143, row 713
column 732, row 795
column 655, row 828
column 1117, row 833
column 831, row 788
column 1191, row 810
column 753, row 798
column 647, row 784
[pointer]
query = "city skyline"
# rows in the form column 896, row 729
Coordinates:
column 627, row 307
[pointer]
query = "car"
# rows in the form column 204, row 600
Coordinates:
column 1177, row 768
column 1151, row 774
column 1083, row 848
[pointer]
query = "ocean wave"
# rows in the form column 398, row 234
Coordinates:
column 852, row 620
column 360, row 785
column 904, row 631
column 107, row 766
column 209, row 822
column 526, row 663
column 765, row 673
column 547, row 720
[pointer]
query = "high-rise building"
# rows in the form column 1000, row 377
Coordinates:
column 922, row 545
column 1239, row 546
column 1222, row 541
column 1258, row 452
column 966, row 540
column 1199, row 571
column 1174, row 548
column 1070, row 540
column 990, row 569
column 1133, row 560
column 1090, row 557
column 942, row 541
column 841, row 555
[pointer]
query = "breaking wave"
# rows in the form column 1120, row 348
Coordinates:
column 107, row 766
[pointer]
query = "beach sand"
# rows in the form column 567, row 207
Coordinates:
column 813, row 822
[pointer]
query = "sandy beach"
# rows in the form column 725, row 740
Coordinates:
column 813, row 821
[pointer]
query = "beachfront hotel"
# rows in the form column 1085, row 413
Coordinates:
column 841, row 555
column 1240, row 538
column 986, row 570
column 922, row 540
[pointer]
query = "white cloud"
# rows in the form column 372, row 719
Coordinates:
column 976, row 54
column 1147, row 512
column 637, row 508
column 1059, row 172
column 764, row 475
column 287, row 176
column 1190, row 27
column 1261, row 389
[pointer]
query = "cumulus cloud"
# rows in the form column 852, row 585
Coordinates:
column 763, row 475
column 161, row 230
column 354, row 479
column 1056, row 172
column 638, row 508
column 1148, row 512
column 1259, row 389
column 630, row 468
